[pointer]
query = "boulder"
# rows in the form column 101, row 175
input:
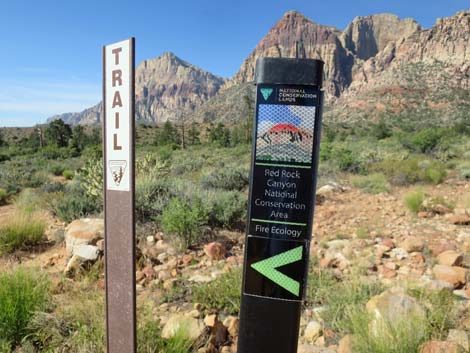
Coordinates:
column 215, row 251
column 312, row 331
column 440, row 347
column 392, row 308
column 87, row 252
column 450, row 258
column 185, row 325
column 87, row 231
column 460, row 337
column 345, row 345
column 450, row 274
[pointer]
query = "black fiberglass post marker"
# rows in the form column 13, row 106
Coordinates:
column 281, row 205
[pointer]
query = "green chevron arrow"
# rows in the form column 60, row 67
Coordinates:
column 268, row 267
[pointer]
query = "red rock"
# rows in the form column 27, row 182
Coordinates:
column 450, row 274
column 460, row 220
column 412, row 244
column 440, row 248
column 186, row 259
column 388, row 243
column 325, row 262
column 450, row 258
column 215, row 251
column 424, row 214
column 148, row 272
column 440, row 347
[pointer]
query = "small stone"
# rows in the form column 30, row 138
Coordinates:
column 182, row 324
column 388, row 243
column 391, row 266
column 460, row 337
column 412, row 244
column 346, row 344
column 163, row 275
column 312, row 331
column 450, row 258
column 450, row 274
column 215, row 251
column 186, row 259
column 149, row 272
column 231, row 322
column 195, row 313
column 139, row 276
column 200, row 279
column 210, row 320
column 440, row 347
column 462, row 293
column 460, row 220
column 151, row 240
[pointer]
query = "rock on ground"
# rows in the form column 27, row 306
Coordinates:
column 440, row 347
column 186, row 325
column 87, row 231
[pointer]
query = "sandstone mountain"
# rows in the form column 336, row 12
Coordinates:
column 378, row 65
column 166, row 87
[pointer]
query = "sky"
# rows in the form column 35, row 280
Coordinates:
column 51, row 49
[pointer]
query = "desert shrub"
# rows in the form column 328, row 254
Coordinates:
column 3, row 196
column 227, row 178
column 441, row 311
column 68, row 174
column 404, row 335
column 319, row 285
column 77, row 326
column 20, row 231
column 53, row 152
column 411, row 171
column 151, row 197
column 373, row 183
column 225, row 208
column 414, row 200
column 15, row 176
column 57, row 169
column 345, row 159
column 52, row 187
column 464, row 170
column 90, row 177
column 223, row 294
column 3, row 158
column 72, row 204
column 22, row 293
column 183, row 218
column 29, row 201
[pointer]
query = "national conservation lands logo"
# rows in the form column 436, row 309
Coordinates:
column 266, row 92
column 285, row 133
column 118, row 169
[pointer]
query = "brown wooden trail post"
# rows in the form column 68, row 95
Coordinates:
column 119, row 186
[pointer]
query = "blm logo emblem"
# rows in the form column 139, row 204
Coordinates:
column 118, row 168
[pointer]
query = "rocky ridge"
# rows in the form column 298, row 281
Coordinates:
column 378, row 64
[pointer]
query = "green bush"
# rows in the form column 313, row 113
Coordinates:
column 57, row 169
column 225, row 208
column 411, row 171
column 226, row 178
column 3, row 196
column 68, row 174
column 345, row 159
column 373, row 184
column 152, row 195
column 223, row 294
column 464, row 170
column 184, row 218
column 21, row 294
column 72, row 204
column 414, row 200
column 21, row 230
